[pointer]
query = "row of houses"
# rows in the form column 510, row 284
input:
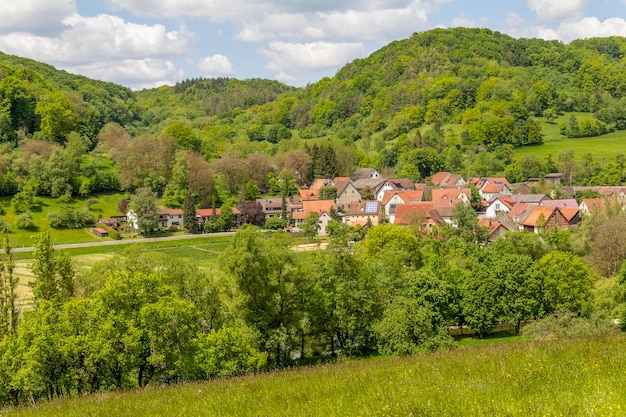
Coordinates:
column 167, row 218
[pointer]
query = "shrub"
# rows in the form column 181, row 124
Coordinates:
column 275, row 223
column 565, row 324
column 25, row 221
column 71, row 218
column 4, row 225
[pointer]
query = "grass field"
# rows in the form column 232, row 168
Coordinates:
column 202, row 252
column 603, row 147
column 105, row 205
column 582, row 377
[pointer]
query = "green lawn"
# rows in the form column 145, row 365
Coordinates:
column 582, row 377
column 603, row 147
column 104, row 205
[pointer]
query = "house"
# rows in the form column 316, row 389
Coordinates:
column 532, row 199
column 364, row 212
column 112, row 222
column 324, row 208
column 421, row 214
column 204, row 215
column 374, row 183
column 365, row 173
column 169, row 217
column 572, row 215
column 546, row 218
column 553, row 178
column 98, row 231
column 496, row 229
column 131, row 219
column 498, row 204
column 591, row 205
column 489, row 186
column 403, row 184
column 346, row 194
column 391, row 199
column 308, row 195
column 272, row 207
column 447, row 179
column 452, row 194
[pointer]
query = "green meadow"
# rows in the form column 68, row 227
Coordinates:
column 580, row 377
column 603, row 148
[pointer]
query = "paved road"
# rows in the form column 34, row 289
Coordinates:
column 125, row 241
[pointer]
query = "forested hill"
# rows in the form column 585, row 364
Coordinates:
column 197, row 98
column 37, row 99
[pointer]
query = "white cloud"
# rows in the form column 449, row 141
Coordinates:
column 105, row 47
column 556, row 10
column 35, row 16
column 216, row 65
column 139, row 73
column 350, row 25
column 590, row 27
column 286, row 58
column 463, row 21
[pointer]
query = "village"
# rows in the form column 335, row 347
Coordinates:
column 368, row 199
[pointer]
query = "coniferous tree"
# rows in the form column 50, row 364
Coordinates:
column 189, row 214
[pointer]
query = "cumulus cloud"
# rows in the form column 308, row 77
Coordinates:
column 590, row 27
column 350, row 25
column 286, row 58
column 555, row 11
column 216, row 66
column 104, row 47
column 42, row 17
column 137, row 73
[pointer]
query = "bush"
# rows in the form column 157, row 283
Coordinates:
column 565, row 325
column 4, row 225
column 71, row 218
column 275, row 223
column 25, row 221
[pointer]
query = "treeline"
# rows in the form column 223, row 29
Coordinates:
column 145, row 318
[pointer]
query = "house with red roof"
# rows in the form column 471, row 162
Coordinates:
column 363, row 213
column 498, row 204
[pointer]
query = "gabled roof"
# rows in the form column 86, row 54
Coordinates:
column 373, row 183
column 406, row 213
column 307, row 195
column 569, row 213
column 170, row 212
column 504, row 199
column 337, row 179
column 450, row 193
column 439, row 177
column 404, row 183
column 361, row 173
column 536, row 212
column 569, row 203
column 491, row 225
column 505, row 220
column 519, row 211
column 209, row 212
column 320, row 183
column 319, row 206
column 593, row 204
column 365, row 208
column 530, row 198
column 494, row 187
column 341, row 186
column 405, row 196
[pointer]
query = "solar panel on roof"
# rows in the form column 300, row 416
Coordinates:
column 371, row 207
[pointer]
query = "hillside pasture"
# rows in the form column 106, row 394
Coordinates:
column 579, row 377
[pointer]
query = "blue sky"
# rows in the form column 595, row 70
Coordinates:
column 147, row 43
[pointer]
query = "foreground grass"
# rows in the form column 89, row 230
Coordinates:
column 554, row 378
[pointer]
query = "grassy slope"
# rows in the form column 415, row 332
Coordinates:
column 569, row 378
column 603, row 147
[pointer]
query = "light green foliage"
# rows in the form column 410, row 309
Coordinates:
column 565, row 324
column 567, row 282
column 275, row 223
column 143, row 204
column 24, row 221
column 54, row 274
column 310, row 226
column 409, row 327
column 229, row 351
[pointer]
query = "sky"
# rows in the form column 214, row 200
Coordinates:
column 148, row 43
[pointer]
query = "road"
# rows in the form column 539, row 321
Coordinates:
column 125, row 241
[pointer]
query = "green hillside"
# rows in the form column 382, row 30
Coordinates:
column 572, row 378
